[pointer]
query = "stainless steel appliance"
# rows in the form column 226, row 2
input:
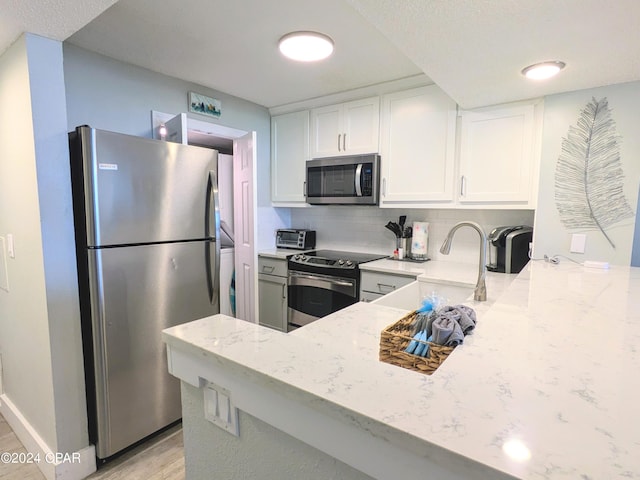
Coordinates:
column 295, row 238
column 146, row 220
column 343, row 180
column 322, row 282
column 509, row 248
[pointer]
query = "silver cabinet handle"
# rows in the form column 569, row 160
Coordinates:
column 344, row 142
column 382, row 286
column 268, row 268
column 463, row 186
column 284, row 290
column 304, row 188
column 384, row 187
column 339, row 135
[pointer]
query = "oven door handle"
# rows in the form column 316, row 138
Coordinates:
column 318, row 278
column 330, row 283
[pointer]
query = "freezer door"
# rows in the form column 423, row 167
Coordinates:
column 137, row 292
column 138, row 190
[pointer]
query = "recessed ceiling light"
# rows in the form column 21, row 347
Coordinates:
column 543, row 70
column 306, row 46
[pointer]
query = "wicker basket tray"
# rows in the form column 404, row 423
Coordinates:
column 395, row 339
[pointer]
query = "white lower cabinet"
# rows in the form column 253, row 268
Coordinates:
column 499, row 148
column 272, row 293
column 374, row 285
column 417, row 148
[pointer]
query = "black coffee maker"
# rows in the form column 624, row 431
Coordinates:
column 509, row 248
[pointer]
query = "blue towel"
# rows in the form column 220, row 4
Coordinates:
column 422, row 348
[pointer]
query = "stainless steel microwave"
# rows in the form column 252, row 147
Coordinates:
column 349, row 180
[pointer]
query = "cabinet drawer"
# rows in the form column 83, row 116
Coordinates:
column 383, row 283
column 369, row 296
column 272, row 266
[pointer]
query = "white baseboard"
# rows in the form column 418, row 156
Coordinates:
column 53, row 465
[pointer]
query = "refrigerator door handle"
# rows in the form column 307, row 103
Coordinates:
column 213, row 203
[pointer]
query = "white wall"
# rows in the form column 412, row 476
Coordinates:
column 260, row 452
column 107, row 94
column 58, row 242
column 24, row 322
column 562, row 111
column 362, row 228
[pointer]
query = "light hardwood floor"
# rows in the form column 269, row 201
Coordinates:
column 161, row 458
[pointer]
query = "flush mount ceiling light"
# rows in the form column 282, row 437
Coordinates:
column 306, row 46
column 543, row 70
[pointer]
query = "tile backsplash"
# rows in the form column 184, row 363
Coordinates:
column 362, row 228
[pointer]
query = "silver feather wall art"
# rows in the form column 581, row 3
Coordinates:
column 589, row 176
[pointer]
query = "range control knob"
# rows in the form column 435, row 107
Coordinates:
column 296, row 257
column 341, row 262
column 349, row 263
column 303, row 257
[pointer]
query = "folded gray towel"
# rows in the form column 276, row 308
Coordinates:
column 465, row 316
column 446, row 331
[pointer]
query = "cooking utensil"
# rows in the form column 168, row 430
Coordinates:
column 395, row 228
column 401, row 221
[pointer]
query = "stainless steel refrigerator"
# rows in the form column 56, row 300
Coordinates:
column 147, row 222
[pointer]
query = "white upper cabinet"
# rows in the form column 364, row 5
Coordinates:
column 289, row 153
column 345, row 129
column 499, row 147
column 417, row 148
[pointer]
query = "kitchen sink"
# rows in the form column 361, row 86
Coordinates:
column 410, row 296
column 451, row 292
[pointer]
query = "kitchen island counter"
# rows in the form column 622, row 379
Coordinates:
column 544, row 388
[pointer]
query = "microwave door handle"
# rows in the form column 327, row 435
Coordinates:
column 358, row 180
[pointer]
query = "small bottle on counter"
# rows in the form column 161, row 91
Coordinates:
column 400, row 253
column 395, row 254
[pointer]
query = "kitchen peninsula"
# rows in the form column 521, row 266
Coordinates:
column 545, row 388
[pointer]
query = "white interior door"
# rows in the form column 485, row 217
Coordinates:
column 244, row 209
column 177, row 129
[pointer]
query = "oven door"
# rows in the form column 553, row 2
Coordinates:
column 312, row 296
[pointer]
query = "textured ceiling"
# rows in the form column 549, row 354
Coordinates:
column 231, row 46
column 56, row 19
column 473, row 49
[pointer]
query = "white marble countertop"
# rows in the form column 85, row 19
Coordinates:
column 546, row 387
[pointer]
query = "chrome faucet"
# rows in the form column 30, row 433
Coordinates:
column 480, row 292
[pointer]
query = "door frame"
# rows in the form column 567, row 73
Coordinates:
column 200, row 131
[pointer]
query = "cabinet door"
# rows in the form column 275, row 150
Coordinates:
column 361, row 126
column 350, row 128
column 289, row 153
column 326, row 131
column 272, row 295
column 417, row 147
column 496, row 154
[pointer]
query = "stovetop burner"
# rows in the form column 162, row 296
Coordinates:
column 333, row 259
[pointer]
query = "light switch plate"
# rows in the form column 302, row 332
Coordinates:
column 578, row 243
column 219, row 409
column 10, row 247
column 4, row 271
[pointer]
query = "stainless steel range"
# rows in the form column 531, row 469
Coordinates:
column 322, row 282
